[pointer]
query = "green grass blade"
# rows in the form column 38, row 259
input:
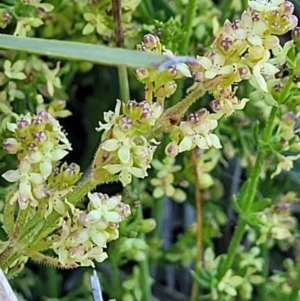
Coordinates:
column 81, row 51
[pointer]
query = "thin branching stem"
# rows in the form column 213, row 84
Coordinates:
column 119, row 40
column 198, row 203
column 248, row 194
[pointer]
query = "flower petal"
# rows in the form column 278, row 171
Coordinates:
column 11, row 175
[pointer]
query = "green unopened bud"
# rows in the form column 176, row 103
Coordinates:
column 146, row 225
column 5, row 18
column 166, row 90
column 141, row 74
column 205, row 181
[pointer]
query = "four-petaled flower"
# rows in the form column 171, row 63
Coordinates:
column 199, row 134
column 27, row 181
column 121, row 142
column 126, row 170
column 214, row 66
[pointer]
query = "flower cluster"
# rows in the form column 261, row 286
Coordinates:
column 196, row 131
column 232, row 284
column 129, row 151
column 276, row 222
column 160, row 84
column 85, row 233
column 16, row 78
column 30, row 15
column 242, row 51
column 98, row 19
column 165, row 180
column 39, row 144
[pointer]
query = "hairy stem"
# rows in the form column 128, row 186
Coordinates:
column 174, row 114
column 195, row 286
column 248, row 195
column 98, row 176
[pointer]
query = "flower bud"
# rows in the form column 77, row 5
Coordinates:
column 296, row 79
column 150, row 41
column 146, row 225
column 141, row 74
column 277, row 87
column 172, row 150
column 157, row 109
column 11, row 146
column 125, row 123
column 205, row 181
column 216, row 105
column 244, row 72
column 284, row 144
column 23, row 122
column 293, row 21
column 288, row 7
column 71, row 173
column 39, row 137
column 5, row 18
column 288, row 118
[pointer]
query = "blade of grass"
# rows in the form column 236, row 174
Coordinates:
column 81, row 52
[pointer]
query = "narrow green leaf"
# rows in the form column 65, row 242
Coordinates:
column 204, row 283
column 239, row 204
column 260, row 205
column 236, row 205
column 255, row 130
column 82, row 52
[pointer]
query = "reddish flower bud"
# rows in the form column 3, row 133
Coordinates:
column 288, row 7
column 172, row 150
column 150, row 40
column 11, row 146
column 296, row 34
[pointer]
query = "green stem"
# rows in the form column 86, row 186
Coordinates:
column 123, row 83
column 248, row 195
column 187, row 26
column 8, row 257
column 174, row 114
column 145, row 277
column 296, row 287
column 115, row 280
column 119, row 40
column 263, row 287
column 157, row 214
column 199, row 221
column 144, row 266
